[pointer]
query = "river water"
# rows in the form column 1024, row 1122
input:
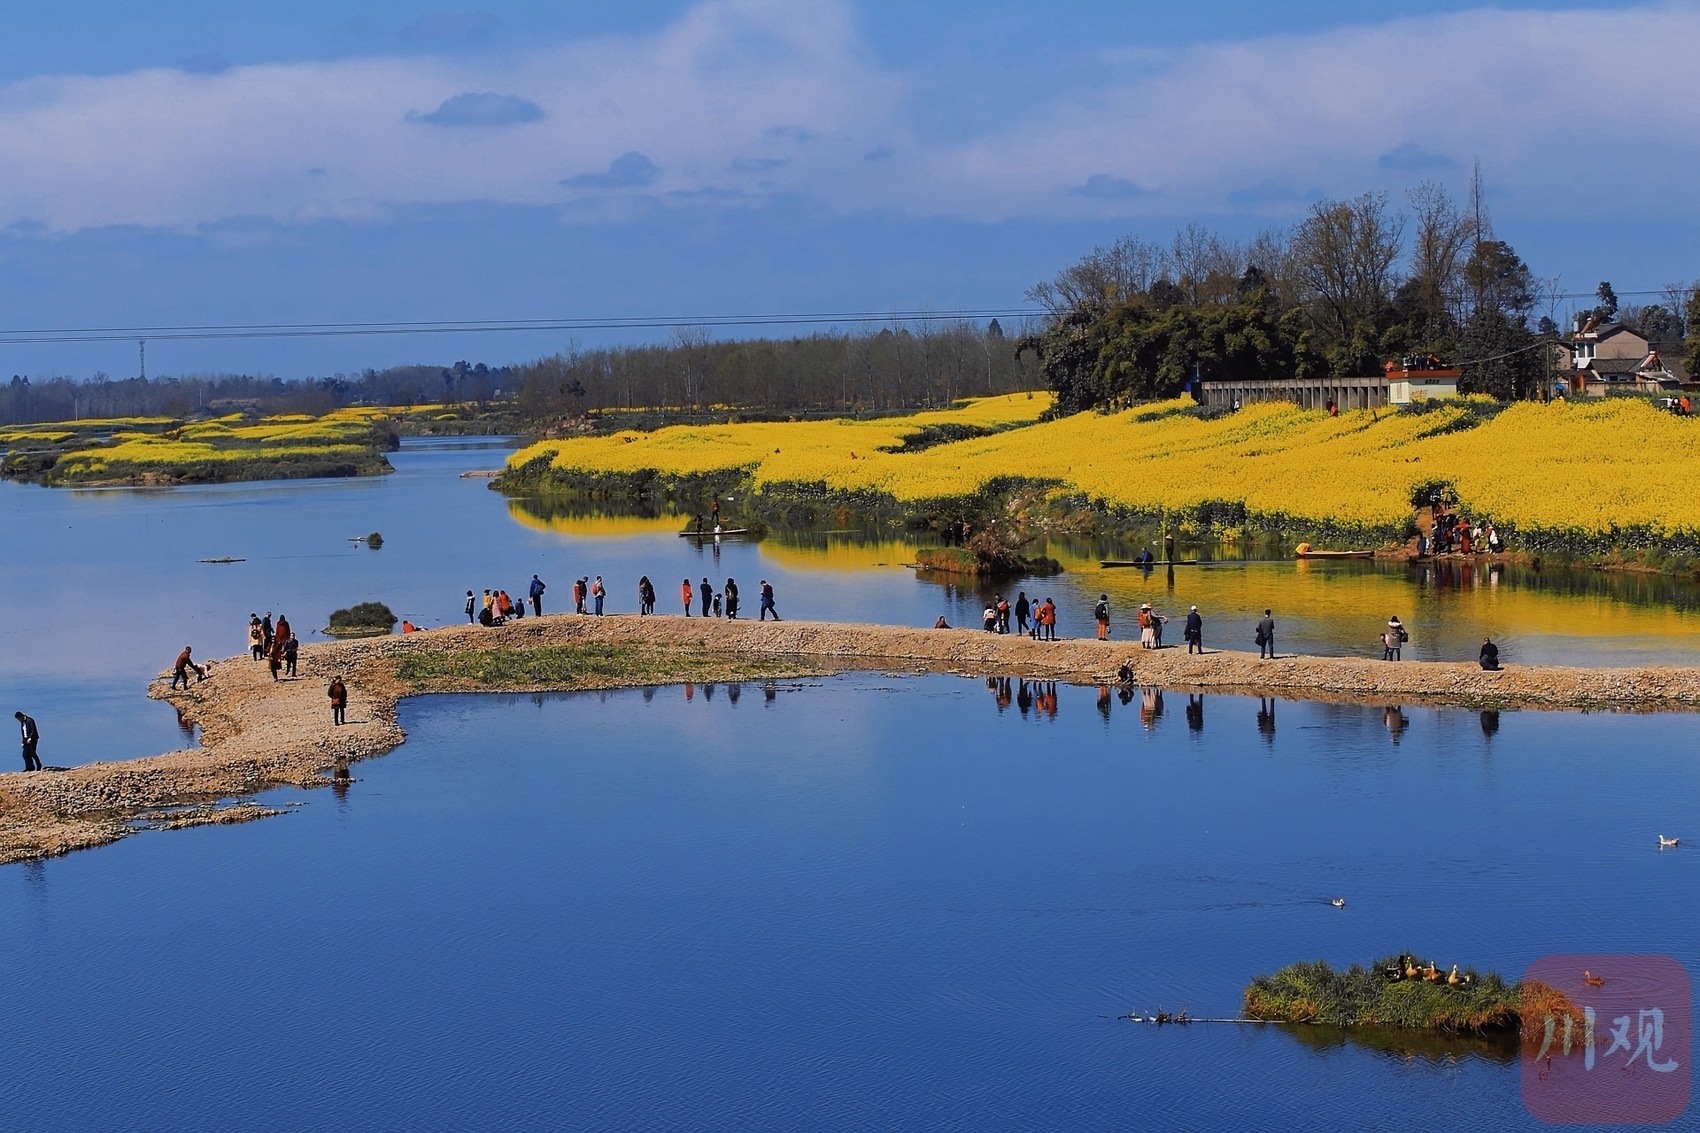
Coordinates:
column 859, row 902
column 862, row 902
column 106, row 586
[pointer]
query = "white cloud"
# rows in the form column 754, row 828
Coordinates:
column 1571, row 113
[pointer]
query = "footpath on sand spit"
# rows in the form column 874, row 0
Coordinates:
column 259, row 734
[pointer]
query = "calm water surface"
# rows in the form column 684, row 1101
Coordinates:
column 107, row 585
column 864, row 902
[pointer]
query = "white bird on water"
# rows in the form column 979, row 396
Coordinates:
column 1666, row 843
column 1338, row 902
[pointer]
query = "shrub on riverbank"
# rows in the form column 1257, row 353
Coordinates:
column 367, row 617
column 1359, row 997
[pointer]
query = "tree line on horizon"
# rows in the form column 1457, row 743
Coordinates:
column 914, row 364
column 1337, row 295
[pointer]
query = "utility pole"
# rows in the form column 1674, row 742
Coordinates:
column 142, row 348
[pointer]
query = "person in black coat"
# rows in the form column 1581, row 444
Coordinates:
column 1194, row 632
column 1489, row 655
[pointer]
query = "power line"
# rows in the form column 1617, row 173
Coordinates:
column 486, row 326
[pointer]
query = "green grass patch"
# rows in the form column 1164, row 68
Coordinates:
column 583, row 666
column 1313, row 992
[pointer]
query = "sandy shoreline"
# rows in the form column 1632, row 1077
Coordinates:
column 258, row 734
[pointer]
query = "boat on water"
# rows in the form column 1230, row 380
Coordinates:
column 1308, row 552
column 720, row 534
column 1105, row 564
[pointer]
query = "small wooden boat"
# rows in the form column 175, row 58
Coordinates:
column 1152, row 565
column 224, row 560
column 1336, row 554
column 721, row 534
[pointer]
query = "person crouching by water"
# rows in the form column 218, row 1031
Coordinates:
column 32, row 737
column 1490, row 655
column 185, row 664
column 338, row 693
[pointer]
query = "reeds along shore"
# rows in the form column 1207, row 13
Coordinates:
column 259, row 734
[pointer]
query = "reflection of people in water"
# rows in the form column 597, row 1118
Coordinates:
column 1023, row 697
column 1003, row 694
column 1266, row 717
column 1150, row 706
column 690, row 691
column 1490, row 721
column 733, row 691
column 1046, row 695
column 1195, row 712
column 1125, row 695
column 769, row 691
column 1394, row 717
column 1104, row 702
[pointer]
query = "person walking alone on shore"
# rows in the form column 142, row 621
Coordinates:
column 1194, row 631
column 536, row 592
column 338, row 694
column 1102, row 613
column 685, row 593
column 767, row 606
column 32, row 736
column 1266, row 636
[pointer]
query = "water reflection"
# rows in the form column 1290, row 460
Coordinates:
column 1266, row 719
column 1195, row 712
column 1490, row 722
column 1407, row 1045
column 1394, row 719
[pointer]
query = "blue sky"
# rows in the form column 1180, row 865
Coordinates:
column 189, row 161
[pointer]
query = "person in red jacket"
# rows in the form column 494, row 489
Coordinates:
column 685, row 593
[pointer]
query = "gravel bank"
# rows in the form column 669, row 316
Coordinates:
column 259, row 734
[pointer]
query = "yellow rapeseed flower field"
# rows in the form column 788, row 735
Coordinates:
column 1588, row 469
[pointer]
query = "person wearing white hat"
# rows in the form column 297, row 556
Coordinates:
column 1194, row 631
column 1147, row 627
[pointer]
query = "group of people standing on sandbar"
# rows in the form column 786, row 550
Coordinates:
column 590, row 596
column 496, row 607
column 722, row 604
column 275, row 644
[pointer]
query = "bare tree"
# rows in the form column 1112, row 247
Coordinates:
column 1343, row 255
column 1439, row 249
